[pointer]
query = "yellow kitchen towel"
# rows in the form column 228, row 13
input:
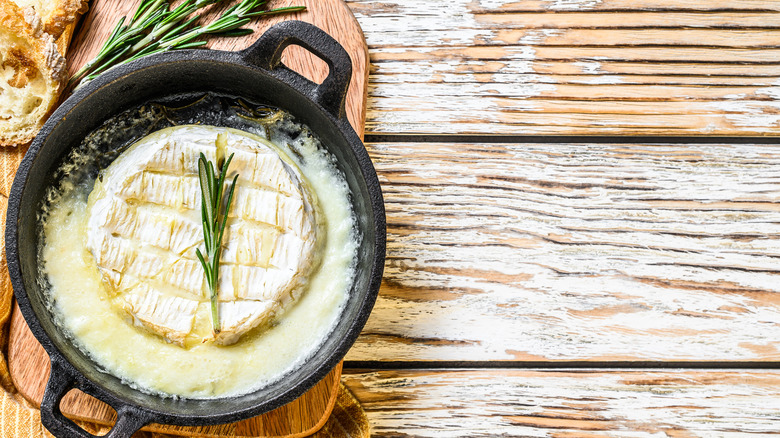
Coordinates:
column 20, row 419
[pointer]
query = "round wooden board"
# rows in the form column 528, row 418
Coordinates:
column 28, row 362
column 29, row 367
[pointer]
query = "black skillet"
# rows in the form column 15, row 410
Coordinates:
column 255, row 74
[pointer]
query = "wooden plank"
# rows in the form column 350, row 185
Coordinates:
column 569, row 403
column 505, row 35
column 661, row 71
column 752, row 38
column 584, row 71
column 553, row 53
column 622, row 5
column 525, row 123
column 473, row 67
column 558, row 252
column 633, row 18
column 749, row 83
column 604, row 92
column 590, row 5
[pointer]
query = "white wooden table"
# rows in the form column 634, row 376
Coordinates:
column 583, row 204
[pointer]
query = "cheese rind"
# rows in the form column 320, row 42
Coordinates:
column 145, row 223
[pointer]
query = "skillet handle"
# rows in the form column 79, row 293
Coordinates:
column 266, row 53
column 61, row 380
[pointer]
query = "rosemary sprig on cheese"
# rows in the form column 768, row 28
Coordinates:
column 155, row 28
column 214, row 220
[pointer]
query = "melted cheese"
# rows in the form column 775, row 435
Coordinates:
column 84, row 302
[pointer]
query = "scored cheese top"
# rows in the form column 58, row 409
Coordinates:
column 145, row 224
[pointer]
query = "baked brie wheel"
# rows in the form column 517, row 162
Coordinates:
column 145, row 224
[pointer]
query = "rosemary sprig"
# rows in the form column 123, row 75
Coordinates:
column 155, row 28
column 214, row 220
column 148, row 12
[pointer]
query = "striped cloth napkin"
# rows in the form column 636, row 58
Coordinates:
column 20, row 419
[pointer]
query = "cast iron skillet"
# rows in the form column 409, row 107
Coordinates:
column 255, row 74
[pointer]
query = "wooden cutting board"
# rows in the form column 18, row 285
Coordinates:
column 28, row 362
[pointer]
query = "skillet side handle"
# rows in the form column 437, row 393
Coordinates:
column 266, row 53
column 61, row 380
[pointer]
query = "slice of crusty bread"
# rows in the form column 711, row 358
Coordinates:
column 32, row 71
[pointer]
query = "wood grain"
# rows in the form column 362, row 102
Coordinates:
column 630, row 5
column 569, row 403
column 29, row 363
column 586, row 252
column 651, row 67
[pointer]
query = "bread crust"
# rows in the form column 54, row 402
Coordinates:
column 51, row 16
column 65, row 14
